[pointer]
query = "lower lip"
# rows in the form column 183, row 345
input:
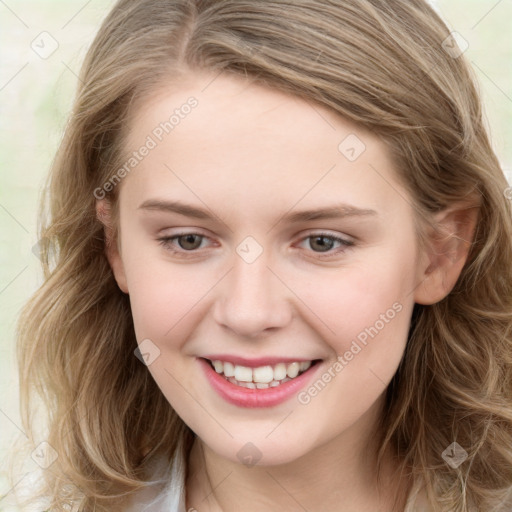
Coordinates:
column 252, row 398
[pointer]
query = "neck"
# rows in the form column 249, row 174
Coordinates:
column 338, row 476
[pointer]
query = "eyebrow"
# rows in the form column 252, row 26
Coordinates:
column 332, row 212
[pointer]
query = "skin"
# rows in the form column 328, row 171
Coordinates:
column 250, row 155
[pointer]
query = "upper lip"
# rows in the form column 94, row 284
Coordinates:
column 255, row 362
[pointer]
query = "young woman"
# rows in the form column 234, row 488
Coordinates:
column 278, row 268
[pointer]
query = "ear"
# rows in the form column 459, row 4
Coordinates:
column 103, row 212
column 448, row 245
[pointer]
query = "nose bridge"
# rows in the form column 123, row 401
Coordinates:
column 252, row 299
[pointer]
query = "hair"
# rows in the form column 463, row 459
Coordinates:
column 378, row 63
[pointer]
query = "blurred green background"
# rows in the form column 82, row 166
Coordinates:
column 36, row 91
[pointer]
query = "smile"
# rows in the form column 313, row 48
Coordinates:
column 257, row 383
column 261, row 377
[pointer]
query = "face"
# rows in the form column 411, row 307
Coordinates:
column 271, row 236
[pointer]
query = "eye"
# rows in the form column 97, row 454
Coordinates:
column 182, row 242
column 321, row 243
column 326, row 243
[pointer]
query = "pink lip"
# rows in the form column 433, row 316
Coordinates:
column 252, row 398
column 253, row 363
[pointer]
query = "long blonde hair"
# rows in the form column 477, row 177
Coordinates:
column 383, row 64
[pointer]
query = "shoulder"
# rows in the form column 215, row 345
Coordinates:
column 168, row 496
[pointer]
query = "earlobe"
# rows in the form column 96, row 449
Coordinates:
column 449, row 243
column 103, row 213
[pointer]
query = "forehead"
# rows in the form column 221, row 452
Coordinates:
column 248, row 145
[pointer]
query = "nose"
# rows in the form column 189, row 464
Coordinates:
column 252, row 301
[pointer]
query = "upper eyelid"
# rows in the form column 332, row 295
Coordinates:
column 341, row 238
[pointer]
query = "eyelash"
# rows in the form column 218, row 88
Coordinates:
column 166, row 243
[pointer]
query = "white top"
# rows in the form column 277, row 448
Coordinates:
column 169, row 499
column 172, row 497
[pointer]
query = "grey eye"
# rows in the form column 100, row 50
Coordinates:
column 189, row 242
column 321, row 243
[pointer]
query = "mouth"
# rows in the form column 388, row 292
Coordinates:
column 260, row 377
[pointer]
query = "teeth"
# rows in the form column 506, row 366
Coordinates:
column 243, row 373
column 261, row 377
column 279, row 371
column 263, row 374
column 293, row 370
column 229, row 369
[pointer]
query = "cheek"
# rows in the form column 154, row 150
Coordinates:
column 166, row 298
column 350, row 300
column 368, row 317
column 364, row 317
